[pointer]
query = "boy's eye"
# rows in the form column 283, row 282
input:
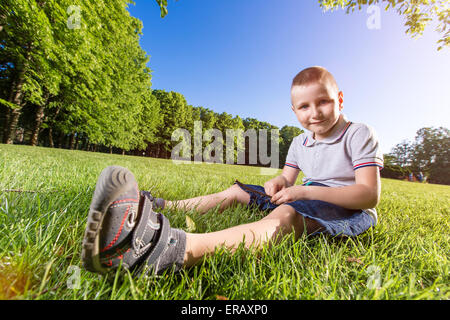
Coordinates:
column 323, row 101
column 303, row 106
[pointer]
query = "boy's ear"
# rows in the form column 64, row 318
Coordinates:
column 292, row 107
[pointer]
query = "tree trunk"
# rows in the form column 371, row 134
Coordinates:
column 11, row 128
column 37, row 125
column 61, row 140
column 50, row 121
column 2, row 18
column 50, row 137
column 13, row 116
column 77, row 140
column 72, row 140
column 38, row 120
column 5, row 124
column 158, row 151
column 16, row 98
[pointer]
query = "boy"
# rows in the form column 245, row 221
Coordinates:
column 341, row 187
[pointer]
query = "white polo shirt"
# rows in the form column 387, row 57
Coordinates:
column 333, row 160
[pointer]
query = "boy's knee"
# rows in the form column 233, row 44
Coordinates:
column 289, row 217
column 289, row 220
column 285, row 215
column 237, row 194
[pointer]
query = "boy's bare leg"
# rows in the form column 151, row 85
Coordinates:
column 281, row 221
column 204, row 203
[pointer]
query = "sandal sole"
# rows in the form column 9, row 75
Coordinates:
column 113, row 182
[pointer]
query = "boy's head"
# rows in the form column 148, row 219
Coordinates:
column 316, row 100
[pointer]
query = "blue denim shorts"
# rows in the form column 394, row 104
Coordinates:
column 336, row 221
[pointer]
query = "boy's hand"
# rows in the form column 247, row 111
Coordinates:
column 288, row 195
column 274, row 185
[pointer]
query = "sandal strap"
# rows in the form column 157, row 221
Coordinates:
column 161, row 242
column 147, row 227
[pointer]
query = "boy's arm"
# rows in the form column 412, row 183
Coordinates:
column 364, row 194
column 290, row 175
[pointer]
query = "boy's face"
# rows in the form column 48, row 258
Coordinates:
column 317, row 107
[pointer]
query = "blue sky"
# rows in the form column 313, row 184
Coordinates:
column 239, row 57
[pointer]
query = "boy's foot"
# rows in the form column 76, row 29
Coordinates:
column 122, row 227
column 158, row 203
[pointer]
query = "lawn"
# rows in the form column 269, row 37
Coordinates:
column 44, row 199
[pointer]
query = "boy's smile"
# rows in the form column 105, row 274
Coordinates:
column 317, row 107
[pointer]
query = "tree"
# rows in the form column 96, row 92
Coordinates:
column 401, row 154
column 89, row 81
column 418, row 14
column 163, row 6
column 149, row 120
column 27, row 57
column 129, row 78
column 287, row 134
column 431, row 154
column 59, row 48
column 174, row 113
column 208, row 120
column 391, row 168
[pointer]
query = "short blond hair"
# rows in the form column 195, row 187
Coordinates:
column 313, row 75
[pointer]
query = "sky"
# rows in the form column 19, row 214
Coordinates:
column 240, row 56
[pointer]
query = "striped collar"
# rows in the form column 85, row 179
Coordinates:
column 338, row 132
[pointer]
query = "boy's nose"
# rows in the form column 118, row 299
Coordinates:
column 315, row 112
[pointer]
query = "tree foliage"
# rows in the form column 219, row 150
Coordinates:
column 287, row 133
column 418, row 14
column 73, row 75
column 78, row 66
column 163, row 6
column 428, row 153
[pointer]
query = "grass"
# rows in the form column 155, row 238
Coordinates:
column 42, row 223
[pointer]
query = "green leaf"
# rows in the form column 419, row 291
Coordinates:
column 190, row 224
column 9, row 104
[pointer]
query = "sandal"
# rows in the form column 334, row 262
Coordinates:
column 123, row 228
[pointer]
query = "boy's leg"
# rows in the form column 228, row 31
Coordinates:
column 122, row 228
column 281, row 221
column 204, row 203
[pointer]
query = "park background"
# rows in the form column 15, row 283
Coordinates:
column 116, row 77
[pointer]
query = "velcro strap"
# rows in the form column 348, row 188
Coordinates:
column 146, row 228
column 161, row 242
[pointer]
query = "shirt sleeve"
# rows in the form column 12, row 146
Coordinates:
column 365, row 149
column 291, row 158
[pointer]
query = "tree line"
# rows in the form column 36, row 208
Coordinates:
column 75, row 67
column 428, row 153
column 73, row 75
